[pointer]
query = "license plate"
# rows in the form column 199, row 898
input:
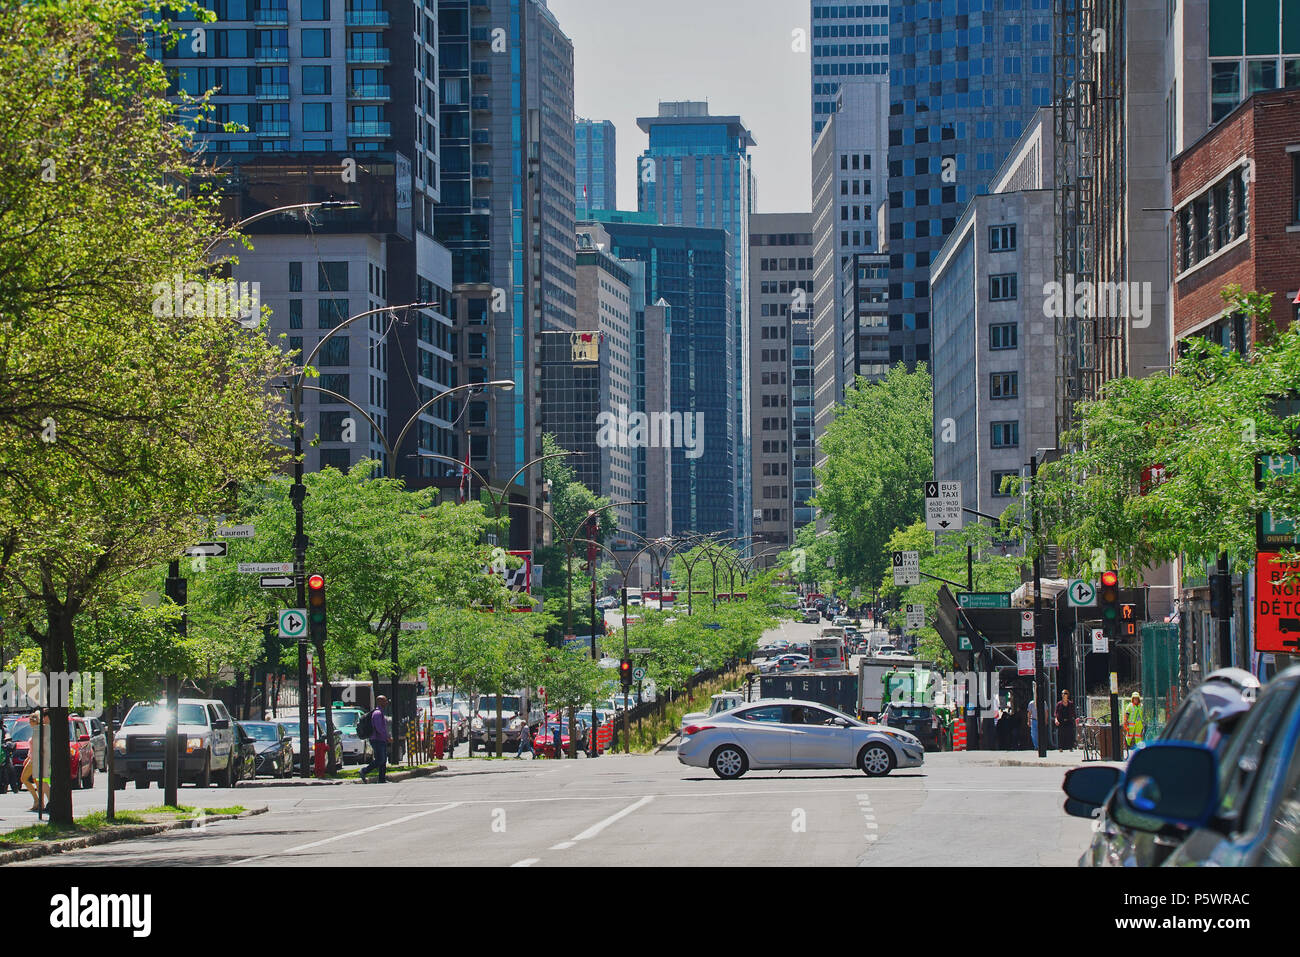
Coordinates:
column 153, row 766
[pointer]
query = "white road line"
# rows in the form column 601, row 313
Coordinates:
column 562, row 846
column 600, row 826
column 526, row 862
column 357, row 833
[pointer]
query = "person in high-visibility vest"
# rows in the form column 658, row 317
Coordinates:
column 1133, row 720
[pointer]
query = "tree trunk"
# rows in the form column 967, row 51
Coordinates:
column 110, row 809
column 58, row 640
column 573, row 735
column 501, row 731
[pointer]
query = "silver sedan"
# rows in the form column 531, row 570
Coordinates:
column 775, row 734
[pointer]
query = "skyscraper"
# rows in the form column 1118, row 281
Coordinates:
column 313, row 90
column 962, row 87
column 697, row 172
column 507, row 216
column 597, row 185
column 848, row 41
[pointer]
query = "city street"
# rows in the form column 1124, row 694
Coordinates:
column 959, row 810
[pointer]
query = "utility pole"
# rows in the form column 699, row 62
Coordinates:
column 177, row 591
column 298, row 495
column 1040, row 704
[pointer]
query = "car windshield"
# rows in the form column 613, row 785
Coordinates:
column 346, row 720
column 261, row 732
column 911, row 712
column 157, row 714
column 488, row 702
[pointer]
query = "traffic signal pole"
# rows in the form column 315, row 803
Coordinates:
column 1110, row 625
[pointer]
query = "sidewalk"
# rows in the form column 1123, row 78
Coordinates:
column 1017, row 759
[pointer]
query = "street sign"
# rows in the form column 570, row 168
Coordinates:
column 422, row 675
column 1274, row 532
column 1025, row 657
column 1277, row 607
column 1099, row 643
column 638, row 674
column 293, row 622
column 640, row 651
column 414, row 626
column 1051, row 656
column 235, row 531
column 1026, row 624
column 943, row 506
column 1082, row 594
column 984, row 599
column 916, row 616
column 206, row 550
column 276, row 581
column 907, row 568
column 265, row 568
column 963, row 643
column 541, row 691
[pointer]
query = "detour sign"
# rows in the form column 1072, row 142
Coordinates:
column 1277, row 607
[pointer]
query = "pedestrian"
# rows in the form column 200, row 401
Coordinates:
column 1033, row 723
column 8, row 773
column 1133, row 720
column 1064, row 721
column 555, row 737
column 379, row 741
column 39, row 756
column 525, row 742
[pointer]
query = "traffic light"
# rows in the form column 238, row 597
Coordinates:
column 625, row 674
column 1220, row 597
column 316, row 607
column 1108, row 600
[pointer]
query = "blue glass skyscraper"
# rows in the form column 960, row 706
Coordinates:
column 965, row 76
column 596, row 184
column 848, row 41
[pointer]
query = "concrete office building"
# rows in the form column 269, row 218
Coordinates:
column 697, row 172
column 849, row 41
column 314, row 85
column 688, row 288
column 849, row 183
column 994, row 385
column 962, row 88
column 596, row 186
column 781, row 295
column 507, row 216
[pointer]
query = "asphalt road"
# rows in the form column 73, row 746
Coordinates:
column 959, row 809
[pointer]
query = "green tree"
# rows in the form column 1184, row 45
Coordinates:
column 879, row 453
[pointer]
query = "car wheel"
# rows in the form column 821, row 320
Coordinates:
column 204, row 780
column 78, row 782
column 229, row 778
column 876, row 760
column 141, row 784
column 729, row 762
column 90, row 776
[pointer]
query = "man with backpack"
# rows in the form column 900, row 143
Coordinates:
column 373, row 727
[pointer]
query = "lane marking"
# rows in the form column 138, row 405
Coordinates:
column 562, row 846
column 357, row 833
column 600, row 826
column 526, row 862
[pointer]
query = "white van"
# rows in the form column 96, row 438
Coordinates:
column 829, row 652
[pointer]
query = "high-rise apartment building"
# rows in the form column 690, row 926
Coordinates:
column 781, row 298
column 962, row 87
column 596, row 186
column 850, row 162
column 507, row 216
column 339, row 100
column 697, row 172
column 848, row 41
column 688, row 279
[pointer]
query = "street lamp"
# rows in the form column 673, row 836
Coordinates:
column 330, row 204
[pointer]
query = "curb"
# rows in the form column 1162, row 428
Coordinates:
column 114, row 835
column 332, row 782
column 667, row 741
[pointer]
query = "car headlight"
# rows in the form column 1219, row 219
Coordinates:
column 516, row 724
column 195, row 744
column 477, row 724
column 119, row 746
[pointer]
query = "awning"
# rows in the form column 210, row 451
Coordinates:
column 1023, row 597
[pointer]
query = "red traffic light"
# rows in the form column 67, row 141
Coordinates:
column 316, row 582
column 625, row 666
column 1109, row 579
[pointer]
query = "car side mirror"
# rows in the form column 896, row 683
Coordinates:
column 82, row 738
column 221, row 724
column 1173, row 783
column 1088, row 788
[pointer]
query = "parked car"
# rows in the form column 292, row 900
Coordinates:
column 245, row 754
column 771, row 735
column 1238, row 806
column 81, row 755
column 920, row 720
column 355, row 749
column 718, row 704
column 1207, row 716
column 787, row 663
column 544, row 738
column 273, row 749
column 98, row 741
column 207, row 744
column 812, row 617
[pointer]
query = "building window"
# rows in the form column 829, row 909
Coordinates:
column 316, row 43
column 1005, row 435
column 332, row 276
column 317, row 81
column 1004, row 385
column 335, row 353
column 295, row 313
column 339, row 459
column 1295, row 187
column 317, row 117
column 1002, row 287
column 998, row 477
column 1004, row 335
column 1002, row 238
column 1225, row 89
column 295, row 277
column 315, row 9
column 330, row 312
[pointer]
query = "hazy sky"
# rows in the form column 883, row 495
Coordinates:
column 630, row 54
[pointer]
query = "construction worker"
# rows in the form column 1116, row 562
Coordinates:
column 1133, row 720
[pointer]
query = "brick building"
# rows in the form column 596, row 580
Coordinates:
column 1236, row 218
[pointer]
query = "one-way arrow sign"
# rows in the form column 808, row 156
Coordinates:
column 276, row 581
column 206, row 550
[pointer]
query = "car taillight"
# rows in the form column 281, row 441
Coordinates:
column 692, row 729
